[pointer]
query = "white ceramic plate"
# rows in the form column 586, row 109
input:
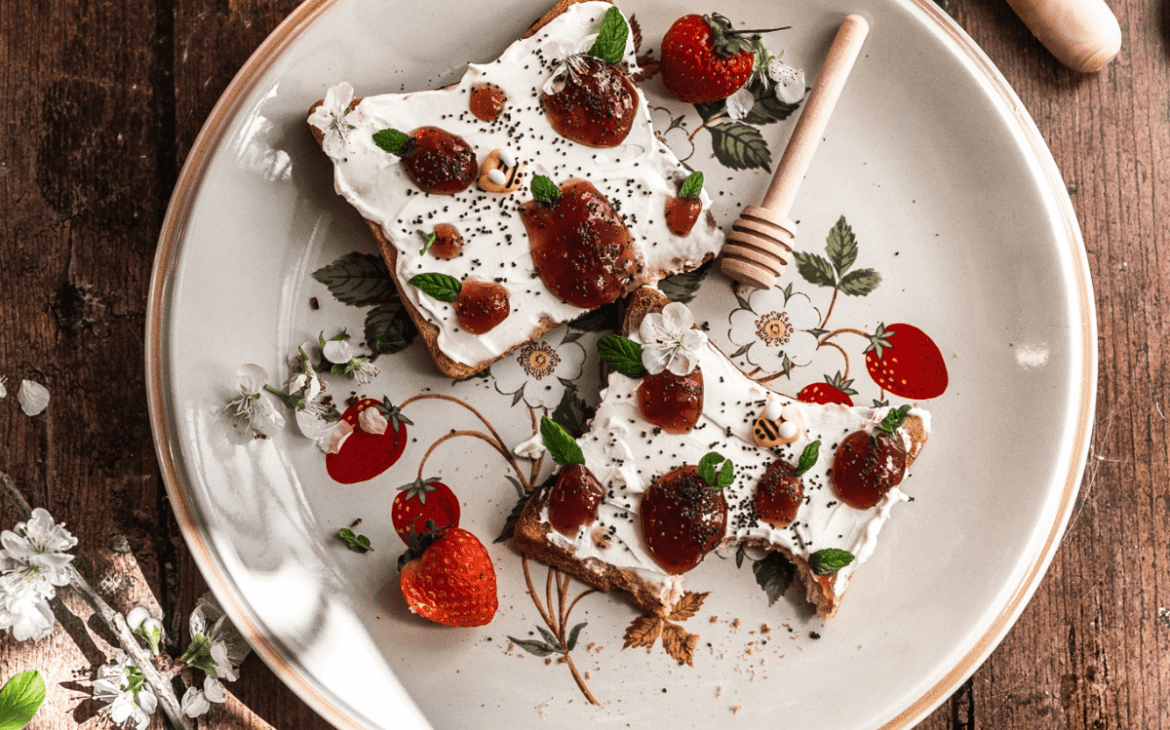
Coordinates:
column 953, row 199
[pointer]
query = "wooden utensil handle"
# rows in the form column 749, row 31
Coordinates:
column 817, row 110
column 1082, row 34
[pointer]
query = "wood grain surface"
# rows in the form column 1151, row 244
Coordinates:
column 101, row 100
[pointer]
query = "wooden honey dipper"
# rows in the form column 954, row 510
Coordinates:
column 757, row 248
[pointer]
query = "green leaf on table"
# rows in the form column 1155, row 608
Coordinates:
column 388, row 329
column 740, row 146
column 358, row 279
column 815, row 269
column 356, row 543
column 20, row 699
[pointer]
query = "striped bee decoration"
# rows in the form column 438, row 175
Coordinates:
column 500, row 172
column 776, row 426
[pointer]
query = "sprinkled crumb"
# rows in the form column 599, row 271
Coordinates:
column 765, row 629
column 735, row 624
column 735, row 709
column 719, row 691
column 588, row 674
column 548, row 660
column 714, row 619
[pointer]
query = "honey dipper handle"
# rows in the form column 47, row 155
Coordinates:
column 817, row 110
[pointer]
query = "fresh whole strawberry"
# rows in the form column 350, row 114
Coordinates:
column 364, row 455
column 448, row 578
column 904, row 361
column 705, row 60
column 683, row 518
column 834, row 390
column 423, row 500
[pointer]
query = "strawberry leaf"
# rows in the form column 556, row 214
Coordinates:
column 358, row 279
column 438, row 286
column 611, row 39
column 815, row 269
column 428, row 240
column 623, row 355
column 860, row 283
column 692, row 186
column 545, row 190
column 717, row 479
column 841, row 246
column 808, row 457
column 740, row 146
column 893, row 421
column 829, row 560
column 561, row 446
column 774, row 573
column 392, row 141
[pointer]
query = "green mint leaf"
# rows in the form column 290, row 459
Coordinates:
column 717, row 479
column 829, row 560
column 392, row 141
column 20, row 699
column 740, row 146
column 356, row 543
column 893, row 421
column 683, row 287
column 774, row 573
column 545, row 190
column 561, row 446
column 841, row 246
column 388, row 329
column 726, row 475
column 623, row 355
column 692, row 186
column 342, row 335
column 428, row 240
column 358, row 279
column 611, row 39
column 815, row 269
column 860, row 283
column 438, row 286
column 808, row 458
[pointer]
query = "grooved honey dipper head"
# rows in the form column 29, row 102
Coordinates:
column 757, row 249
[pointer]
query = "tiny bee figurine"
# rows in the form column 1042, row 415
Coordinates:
column 777, row 425
column 500, row 172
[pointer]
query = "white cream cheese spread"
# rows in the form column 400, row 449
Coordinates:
column 637, row 178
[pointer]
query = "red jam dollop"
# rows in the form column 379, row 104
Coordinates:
column 672, row 402
column 596, row 107
column 448, row 242
column 681, row 214
column 867, row 466
column 581, row 249
column 574, row 499
column 439, row 163
column 683, row 519
column 481, row 306
column 487, row 102
column 779, row 494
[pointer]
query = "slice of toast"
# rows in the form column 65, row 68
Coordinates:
column 638, row 178
column 626, row 454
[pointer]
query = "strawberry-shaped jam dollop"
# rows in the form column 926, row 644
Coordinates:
column 574, row 499
column 681, row 214
column 596, row 106
column 487, row 102
column 672, row 402
column 439, row 163
column 581, row 248
column 866, row 466
column 481, row 306
column 448, row 242
column 779, row 494
column 683, row 519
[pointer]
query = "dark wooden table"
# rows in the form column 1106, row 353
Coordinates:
column 100, row 102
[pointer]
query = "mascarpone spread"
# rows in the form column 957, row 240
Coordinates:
column 637, row 178
column 626, row 452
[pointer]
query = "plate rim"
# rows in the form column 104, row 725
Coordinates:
column 335, row 710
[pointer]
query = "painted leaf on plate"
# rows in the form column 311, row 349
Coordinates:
column 740, row 146
column 388, row 329
column 358, row 279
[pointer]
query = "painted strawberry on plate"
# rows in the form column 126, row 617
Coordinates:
column 835, row 389
column 449, row 578
column 377, row 441
column 903, row 360
column 421, row 501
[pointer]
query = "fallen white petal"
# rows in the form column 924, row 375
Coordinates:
column 372, row 421
column 338, row 351
column 33, row 397
column 739, row 104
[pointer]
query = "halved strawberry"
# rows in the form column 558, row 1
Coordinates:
column 903, row 360
column 835, row 389
column 423, row 500
column 449, row 578
column 363, row 455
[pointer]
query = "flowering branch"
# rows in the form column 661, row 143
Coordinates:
column 114, row 621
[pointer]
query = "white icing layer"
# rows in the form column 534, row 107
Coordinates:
column 626, row 452
column 638, row 177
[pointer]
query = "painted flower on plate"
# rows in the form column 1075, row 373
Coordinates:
column 774, row 329
column 539, row 372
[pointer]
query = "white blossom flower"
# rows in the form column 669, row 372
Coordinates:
column 569, row 58
column 128, row 701
column 253, row 407
column 669, row 340
column 773, row 329
column 740, row 103
column 305, row 384
column 346, row 360
column 40, row 544
column 329, row 435
column 216, row 645
column 789, row 81
column 33, row 397
column 197, row 702
column 539, row 372
column 24, row 607
column 331, row 118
